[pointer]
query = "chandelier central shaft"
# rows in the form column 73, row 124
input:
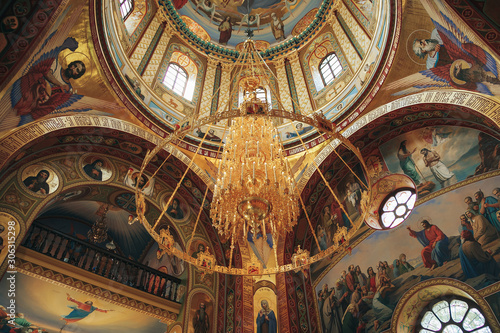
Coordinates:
column 254, row 189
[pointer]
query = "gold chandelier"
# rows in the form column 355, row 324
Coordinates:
column 255, row 190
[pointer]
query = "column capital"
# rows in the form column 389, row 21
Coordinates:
column 332, row 15
column 227, row 66
column 293, row 56
column 279, row 63
column 212, row 62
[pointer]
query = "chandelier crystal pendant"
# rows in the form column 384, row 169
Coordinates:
column 255, row 191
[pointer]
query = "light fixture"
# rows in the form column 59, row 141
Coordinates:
column 255, row 190
column 111, row 245
column 393, row 199
column 99, row 231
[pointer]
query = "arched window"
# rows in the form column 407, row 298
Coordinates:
column 260, row 93
column 452, row 315
column 330, row 68
column 126, row 7
column 175, row 78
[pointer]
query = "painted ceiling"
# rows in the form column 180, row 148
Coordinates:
column 113, row 121
column 249, row 14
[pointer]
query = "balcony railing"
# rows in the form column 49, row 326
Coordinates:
column 102, row 262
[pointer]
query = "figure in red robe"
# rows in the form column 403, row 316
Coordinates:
column 80, row 311
column 435, row 252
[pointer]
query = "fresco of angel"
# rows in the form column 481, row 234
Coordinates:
column 45, row 86
column 469, row 66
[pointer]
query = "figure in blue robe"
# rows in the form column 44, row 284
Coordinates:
column 395, row 270
column 406, row 162
column 262, row 256
column 266, row 319
column 474, row 260
column 488, row 212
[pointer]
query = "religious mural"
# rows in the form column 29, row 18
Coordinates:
column 339, row 215
column 444, row 237
column 439, row 156
column 451, row 57
column 200, row 319
column 197, row 246
column 47, row 85
column 273, row 20
column 97, row 168
column 265, row 310
column 177, row 209
column 46, row 307
column 40, row 179
column 494, row 302
column 163, row 262
column 144, row 183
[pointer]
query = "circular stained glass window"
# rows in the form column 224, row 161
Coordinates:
column 452, row 316
column 397, row 207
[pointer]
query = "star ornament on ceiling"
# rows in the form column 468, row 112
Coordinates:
column 249, row 33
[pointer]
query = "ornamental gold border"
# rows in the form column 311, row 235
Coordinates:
column 15, row 140
column 71, row 283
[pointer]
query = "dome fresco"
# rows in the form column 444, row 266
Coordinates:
column 356, row 31
column 257, row 15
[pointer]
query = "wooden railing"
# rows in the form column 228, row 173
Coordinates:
column 100, row 261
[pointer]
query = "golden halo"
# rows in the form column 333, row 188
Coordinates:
column 464, row 65
column 74, row 56
column 419, row 219
column 409, row 46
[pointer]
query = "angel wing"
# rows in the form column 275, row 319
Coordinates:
column 78, row 103
column 297, row 164
column 457, row 43
column 432, row 78
column 56, row 40
column 422, row 80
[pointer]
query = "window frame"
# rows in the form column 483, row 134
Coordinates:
column 261, row 91
column 335, row 59
column 471, row 305
column 132, row 5
column 175, row 80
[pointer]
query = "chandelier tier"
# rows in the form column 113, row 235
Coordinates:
column 255, row 189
